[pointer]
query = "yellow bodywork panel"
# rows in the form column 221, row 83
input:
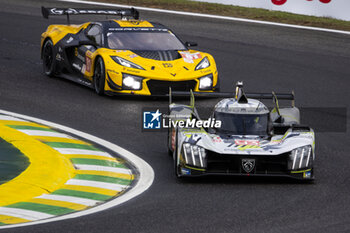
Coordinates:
column 133, row 23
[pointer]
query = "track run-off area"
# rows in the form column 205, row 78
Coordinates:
column 67, row 177
column 267, row 58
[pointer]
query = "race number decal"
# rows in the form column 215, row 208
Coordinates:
column 189, row 57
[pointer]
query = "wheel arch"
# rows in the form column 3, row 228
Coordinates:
column 42, row 45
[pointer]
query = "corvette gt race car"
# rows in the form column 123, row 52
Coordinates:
column 247, row 138
column 126, row 56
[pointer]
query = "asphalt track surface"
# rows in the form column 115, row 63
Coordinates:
column 314, row 64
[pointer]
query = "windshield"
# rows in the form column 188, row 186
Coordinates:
column 152, row 41
column 242, row 124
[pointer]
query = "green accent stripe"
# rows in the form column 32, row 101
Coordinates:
column 19, row 127
column 107, row 179
column 2, row 224
column 71, row 145
column 48, row 209
column 98, row 162
column 75, row 193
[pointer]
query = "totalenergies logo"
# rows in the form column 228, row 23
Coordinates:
column 281, row 2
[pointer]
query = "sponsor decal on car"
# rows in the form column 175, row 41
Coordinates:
column 88, row 61
column 69, row 40
column 167, row 65
column 247, row 142
column 76, row 66
column 132, row 55
column 189, row 57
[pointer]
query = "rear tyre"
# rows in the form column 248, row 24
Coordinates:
column 99, row 78
column 48, row 58
column 176, row 166
column 170, row 151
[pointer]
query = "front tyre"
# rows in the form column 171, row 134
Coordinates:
column 99, row 78
column 48, row 58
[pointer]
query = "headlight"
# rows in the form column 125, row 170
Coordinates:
column 206, row 82
column 300, row 158
column 126, row 63
column 131, row 82
column 204, row 63
column 194, row 155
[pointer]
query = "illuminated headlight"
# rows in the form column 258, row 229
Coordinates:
column 206, row 82
column 300, row 158
column 204, row 63
column 194, row 155
column 131, row 82
column 126, row 63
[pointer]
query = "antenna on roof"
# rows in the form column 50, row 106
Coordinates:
column 240, row 95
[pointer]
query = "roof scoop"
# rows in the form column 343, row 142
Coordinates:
column 240, row 95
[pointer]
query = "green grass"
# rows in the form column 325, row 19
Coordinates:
column 241, row 12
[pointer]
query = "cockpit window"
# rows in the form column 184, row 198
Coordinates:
column 151, row 41
column 242, row 124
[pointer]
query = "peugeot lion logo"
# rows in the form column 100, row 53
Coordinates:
column 248, row 165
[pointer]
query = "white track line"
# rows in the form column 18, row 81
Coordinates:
column 71, row 199
column 71, row 151
column 10, row 118
column 43, row 133
column 23, row 213
column 97, row 184
column 144, row 181
column 102, row 168
column 209, row 16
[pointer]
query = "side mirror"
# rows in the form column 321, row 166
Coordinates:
column 191, row 44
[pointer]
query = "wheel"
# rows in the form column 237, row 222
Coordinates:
column 170, row 151
column 99, row 78
column 217, row 87
column 48, row 58
column 176, row 166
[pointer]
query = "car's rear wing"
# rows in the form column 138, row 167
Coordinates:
column 281, row 96
column 239, row 94
column 123, row 13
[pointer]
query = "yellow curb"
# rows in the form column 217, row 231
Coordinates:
column 48, row 169
column 65, row 204
column 103, row 191
column 11, row 220
column 56, row 139
column 106, row 173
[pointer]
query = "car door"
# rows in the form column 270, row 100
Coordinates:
column 93, row 39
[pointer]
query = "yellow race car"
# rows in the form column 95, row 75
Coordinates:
column 126, row 56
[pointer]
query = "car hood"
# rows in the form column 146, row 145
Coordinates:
column 255, row 145
column 173, row 64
